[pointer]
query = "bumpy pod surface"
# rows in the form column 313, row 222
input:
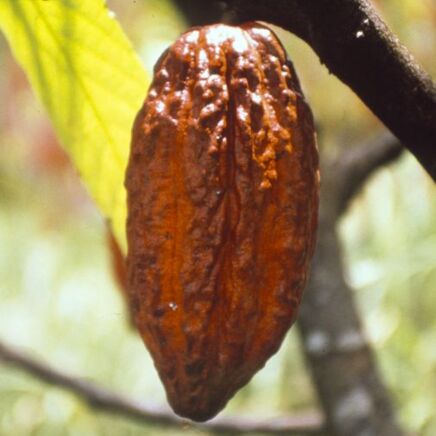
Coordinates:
column 222, row 188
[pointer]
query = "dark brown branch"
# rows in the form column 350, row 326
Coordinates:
column 110, row 402
column 358, row 163
column 357, row 46
column 196, row 13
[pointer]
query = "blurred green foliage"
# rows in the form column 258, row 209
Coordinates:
column 59, row 300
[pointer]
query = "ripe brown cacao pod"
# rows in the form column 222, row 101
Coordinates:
column 222, row 188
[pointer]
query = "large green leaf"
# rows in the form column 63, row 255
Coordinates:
column 91, row 82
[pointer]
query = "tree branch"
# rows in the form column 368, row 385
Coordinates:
column 358, row 163
column 196, row 13
column 110, row 402
column 357, row 46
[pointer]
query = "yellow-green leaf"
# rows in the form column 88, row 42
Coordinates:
column 85, row 72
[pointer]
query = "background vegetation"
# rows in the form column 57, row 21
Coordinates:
column 59, row 299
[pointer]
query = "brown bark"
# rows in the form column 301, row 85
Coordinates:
column 194, row 11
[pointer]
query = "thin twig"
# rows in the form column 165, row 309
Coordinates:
column 104, row 400
column 358, row 163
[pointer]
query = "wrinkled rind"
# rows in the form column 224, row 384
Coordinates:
column 222, row 189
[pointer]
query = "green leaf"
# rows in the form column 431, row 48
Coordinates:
column 84, row 70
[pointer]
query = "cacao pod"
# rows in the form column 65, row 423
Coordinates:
column 222, row 186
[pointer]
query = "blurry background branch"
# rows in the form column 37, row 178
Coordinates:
column 110, row 402
column 356, row 164
column 343, row 367
column 357, row 46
